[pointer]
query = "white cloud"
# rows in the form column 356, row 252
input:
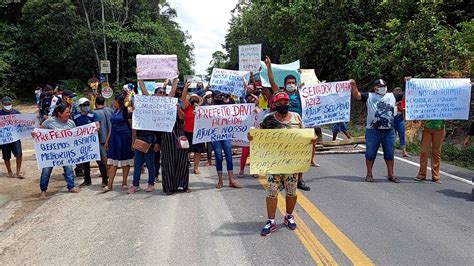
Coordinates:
column 207, row 21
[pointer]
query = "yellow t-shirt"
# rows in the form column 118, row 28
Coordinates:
column 262, row 102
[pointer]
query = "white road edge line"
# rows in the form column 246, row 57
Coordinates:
column 418, row 165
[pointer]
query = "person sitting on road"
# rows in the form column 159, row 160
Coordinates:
column 14, row 147
column 281, row 119
column 379, row 130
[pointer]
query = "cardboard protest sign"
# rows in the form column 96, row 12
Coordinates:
column 228, row 81
column 438, row 99
column 154, row 113
column 326, row 103
column 17, row 126
column 249, row 57
column 308, row 76
column 279, row 73
column 258, row 118
column 66, row 147
column 157, row 66
column 280, row 151
column 223, row 122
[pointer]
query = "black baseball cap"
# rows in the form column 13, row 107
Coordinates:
column 379, row 82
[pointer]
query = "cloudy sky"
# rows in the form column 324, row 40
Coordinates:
column 207, row 21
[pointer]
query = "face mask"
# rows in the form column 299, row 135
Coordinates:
column 209, row 100
column 382, row 90
column 290, row 88
column 282, row 109
column 85, row 109
column 7, row 107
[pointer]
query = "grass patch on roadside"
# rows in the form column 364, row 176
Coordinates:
column 450, row 153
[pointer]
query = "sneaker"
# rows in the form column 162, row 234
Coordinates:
column 268, row 228
column 85, row 184
column 303, row 186
column 133, row 189
column 290, row 222
column 150, row 188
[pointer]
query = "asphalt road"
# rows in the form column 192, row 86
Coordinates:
column 342, row 220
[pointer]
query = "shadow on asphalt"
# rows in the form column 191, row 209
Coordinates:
column 239, row 229
column 455, row 194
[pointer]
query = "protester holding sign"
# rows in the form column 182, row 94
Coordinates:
column 208, row 101
column 189, row 108
column 59, row 121
column 379, row 129
column 119, row 143
column 14, row 147
column 249, row 98
column 281, row 119
column 226, row 146
column 290, row 86
column 174, row 151
column 103, row 115
column 83, row 118
column 399, row 122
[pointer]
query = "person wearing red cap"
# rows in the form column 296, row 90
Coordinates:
column 280, row 119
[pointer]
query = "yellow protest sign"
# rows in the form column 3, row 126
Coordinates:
column 308, row 76
column 280, row 151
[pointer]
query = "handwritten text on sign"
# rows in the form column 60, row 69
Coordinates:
column 433, row 99
column 249, row 57
column 228, row 81
column 17, row 126
column 258, row 118
column 280, row 151
column 326, row 103
column 66, row 147
column 223, row 122
column 154, row 113
column 157, row 66
column 279, row 73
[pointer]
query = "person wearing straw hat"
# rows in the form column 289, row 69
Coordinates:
column 189, row 107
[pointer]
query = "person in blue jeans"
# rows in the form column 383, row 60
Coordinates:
column 399, row 122
column 226, row 146
column 380, row 123
column 59, row 121
column 152, row 138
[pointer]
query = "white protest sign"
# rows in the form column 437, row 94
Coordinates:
column 154, row 113
column 258, row 118
column 157, row 67
column 438, row 99
column 66, row 147
column 223, row 122
column 308, row 76
column 279, row 73
column 326, row 103
column 228, row 81
column 105, row 67
column 17, row 126
column 249, row 57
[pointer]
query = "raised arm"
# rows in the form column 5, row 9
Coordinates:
column 184, row 99
column 173, row 87
column 142, row 87
column 355, row 91
column 268, row 63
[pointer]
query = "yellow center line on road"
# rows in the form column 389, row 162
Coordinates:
column 352, row 252
column 317, row 251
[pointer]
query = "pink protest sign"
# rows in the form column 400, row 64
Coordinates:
column 157, row 66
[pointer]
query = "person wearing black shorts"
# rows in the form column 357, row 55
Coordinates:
column 14, row 147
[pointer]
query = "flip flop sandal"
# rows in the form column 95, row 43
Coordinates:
column 394, row 179
column 219, row 185
column 20, row 176
column 369, row 179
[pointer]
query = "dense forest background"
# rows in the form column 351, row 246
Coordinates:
column 43, row 41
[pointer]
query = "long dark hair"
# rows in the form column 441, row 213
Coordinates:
column 59, row 109
column 121, row 101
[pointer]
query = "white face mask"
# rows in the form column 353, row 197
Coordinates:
column 209, row 100
column 290, row 88
column 7, row 107
column 382, row 90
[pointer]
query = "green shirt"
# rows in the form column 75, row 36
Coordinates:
column 435, row 124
